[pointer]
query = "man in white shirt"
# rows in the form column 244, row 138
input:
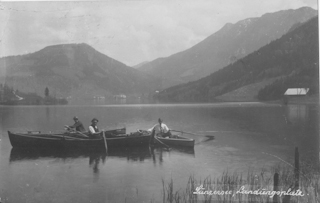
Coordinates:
column 93, row 128
column 160, row 129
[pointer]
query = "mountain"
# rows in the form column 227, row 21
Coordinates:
column 73, row 70
column 140, row 64
column 291, row 61
column 226, row 46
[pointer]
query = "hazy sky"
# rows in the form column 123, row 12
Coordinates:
column 130, row 31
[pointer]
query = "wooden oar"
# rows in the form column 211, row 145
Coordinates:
column 208, row 136
column 73, row 138
column 56, row 135
column 155, row 137
column 82, row 134
column 75, row 131
column 70, row 137
column 105, row 141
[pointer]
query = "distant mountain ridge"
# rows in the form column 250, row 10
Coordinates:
column 75, row 70
column 291, row 61
column 140, row 64
column 226, row 46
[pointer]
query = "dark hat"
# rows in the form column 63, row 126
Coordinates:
column 75, row 118
column 93, row 120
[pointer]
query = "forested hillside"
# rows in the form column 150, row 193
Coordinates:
column 294, row 57
column 229, row 44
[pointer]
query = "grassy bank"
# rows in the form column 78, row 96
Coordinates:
column 254, row 186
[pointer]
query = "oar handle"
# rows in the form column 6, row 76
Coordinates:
column 82, row 133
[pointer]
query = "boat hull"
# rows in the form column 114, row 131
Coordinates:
column 64, row 141
column 52, row 141
column 176, row 142
column 128, row 141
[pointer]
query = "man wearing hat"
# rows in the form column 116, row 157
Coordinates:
column 78, row 126
column 93, row 128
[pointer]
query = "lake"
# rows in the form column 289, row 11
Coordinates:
column 247, row 135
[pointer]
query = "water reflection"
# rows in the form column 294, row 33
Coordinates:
column 120, row 101
column 302, row 131
column 94, row 161
column 132, row 155
column 136, row 155
column 94, row 157
column 6, row 114
column 185, row 150
column 158, row 153
column 296, row 113
column 18, row 154
column 48, row 113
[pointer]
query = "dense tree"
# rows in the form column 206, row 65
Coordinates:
column 46, row 92
column 307, row 78
column 10, row 97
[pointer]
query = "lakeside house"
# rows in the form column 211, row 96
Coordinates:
column 296, row 92
column 293, row 93
column 120, row 96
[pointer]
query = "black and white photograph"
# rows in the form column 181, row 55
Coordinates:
column 159, row 101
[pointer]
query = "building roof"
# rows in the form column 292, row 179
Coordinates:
column 297, row 91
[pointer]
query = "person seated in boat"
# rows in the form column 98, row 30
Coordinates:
column 77, row 126
column 93, row 128
column 161, row 129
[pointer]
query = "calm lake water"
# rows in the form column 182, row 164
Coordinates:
column 247, row 135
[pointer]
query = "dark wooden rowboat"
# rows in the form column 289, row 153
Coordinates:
column 176, row 141
column 78, row 141
column 136, row 139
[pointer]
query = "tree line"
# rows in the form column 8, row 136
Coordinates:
column 9, row 96
column 308, row 78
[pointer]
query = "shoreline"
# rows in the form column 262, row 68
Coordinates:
column 314, row 99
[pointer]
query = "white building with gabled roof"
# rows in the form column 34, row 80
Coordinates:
column 296, row 92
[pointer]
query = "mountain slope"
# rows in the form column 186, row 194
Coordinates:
column 232, row 42
column 247, row 92
column 75, row 70
column 293, row 57
column 139, row 65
